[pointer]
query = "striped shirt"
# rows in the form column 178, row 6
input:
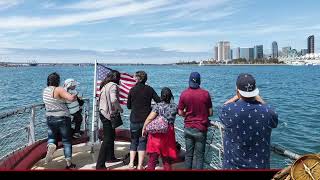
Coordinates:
column 73, row 106
column 54, row 107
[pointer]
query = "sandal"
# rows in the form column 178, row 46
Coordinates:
column 131, row 167
column 141, row 168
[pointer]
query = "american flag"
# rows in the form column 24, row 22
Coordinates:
column 126, row 82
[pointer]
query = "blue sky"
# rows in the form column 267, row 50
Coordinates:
column 148, row 31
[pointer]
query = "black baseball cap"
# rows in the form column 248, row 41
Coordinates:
column 246, row 85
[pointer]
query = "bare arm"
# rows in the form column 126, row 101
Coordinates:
column 63, row 94
column 150, row 118
column 182, row 113
column 233, row 99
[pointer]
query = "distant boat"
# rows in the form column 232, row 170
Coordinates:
column 201, row 63
column 33, row 63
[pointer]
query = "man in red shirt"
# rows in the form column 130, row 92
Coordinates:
column 196, row 106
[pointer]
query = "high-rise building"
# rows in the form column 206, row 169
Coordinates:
column 236, row 53
column 304, row 52
column 275, row 51
column 216, row 53
column 258, row 52
column 286, row 51
column 247, row 53
column 293, row 53
column 230, row 54
column 223, row 51
column 311, row 44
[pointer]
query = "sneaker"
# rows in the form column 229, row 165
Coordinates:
column 76, row 135
column 72, row 166
column 50, row 151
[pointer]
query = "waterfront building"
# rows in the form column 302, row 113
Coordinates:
column 311, row 44
column 258, row 52
column 275, row 51
column 236, row 53
column 303, row 52
column 286, row 51
column 247, row 53
column 216, row 53
column 223, row 51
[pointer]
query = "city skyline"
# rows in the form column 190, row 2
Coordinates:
column 158, row 31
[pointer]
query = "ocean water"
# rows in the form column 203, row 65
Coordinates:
column 293, row 90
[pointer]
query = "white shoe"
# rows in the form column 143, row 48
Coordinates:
column 50, row 151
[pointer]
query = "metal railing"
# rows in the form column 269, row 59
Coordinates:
column 214, row 148
column 27, row 125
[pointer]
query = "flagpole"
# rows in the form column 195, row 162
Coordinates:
column 94, row 114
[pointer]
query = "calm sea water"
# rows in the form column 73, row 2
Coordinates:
column 293, row 90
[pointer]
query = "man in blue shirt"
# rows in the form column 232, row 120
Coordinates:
column 248, row 122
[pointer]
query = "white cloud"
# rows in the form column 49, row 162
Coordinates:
column 177, row 33
column 267, row 29
column 63, row 35
column 5, row 4
column 200, row 10
column 91, row 11
column 186, row 47
column 76, row 18
column 95, row 4
column 193, row 5
column 48, row 4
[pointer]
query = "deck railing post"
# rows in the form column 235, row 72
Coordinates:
column 85, row 116
column 31, row 134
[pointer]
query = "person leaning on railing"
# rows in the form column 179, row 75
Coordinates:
column 58, row 118
column 248, row 122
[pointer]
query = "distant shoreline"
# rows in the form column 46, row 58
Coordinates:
column 117, row 64
column 245, row 65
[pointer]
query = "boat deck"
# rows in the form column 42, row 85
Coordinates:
column 85, row 160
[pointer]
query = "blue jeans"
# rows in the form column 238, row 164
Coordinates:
column 195, row 146
column 60, row 126
column 138, row 142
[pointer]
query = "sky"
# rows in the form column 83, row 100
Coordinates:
column 149, row 31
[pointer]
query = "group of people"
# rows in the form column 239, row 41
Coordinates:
column 247, row 120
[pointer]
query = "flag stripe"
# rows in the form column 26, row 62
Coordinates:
column 127, row 81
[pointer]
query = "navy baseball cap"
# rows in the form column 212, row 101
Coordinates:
column 194, row 80
column 246, row 85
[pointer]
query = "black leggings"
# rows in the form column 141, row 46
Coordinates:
column 77, row 119
column 107, row 147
